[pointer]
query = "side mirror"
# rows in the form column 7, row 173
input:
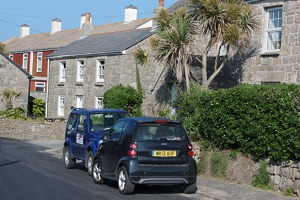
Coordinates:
column 105, row 137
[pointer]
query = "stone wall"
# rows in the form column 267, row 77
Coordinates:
column 12, row 78
column 282, row 66
column 31, row 130
column 285, row 175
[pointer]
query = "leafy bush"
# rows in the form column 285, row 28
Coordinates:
column 38, row 107
column 123, row 97
column 16, row 113
column 262, row 178
column 261, row 120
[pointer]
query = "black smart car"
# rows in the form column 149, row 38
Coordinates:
column 146, row 150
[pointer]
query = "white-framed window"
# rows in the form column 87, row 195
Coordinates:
column 273, row 29
column 39, row 86
column 39, row 62
column 11, row 56
column 61, row 106
column 25, row 61
column 100, row 71
column 99, row 102
column 80, row 71
column 62, row 72
column 79, row 100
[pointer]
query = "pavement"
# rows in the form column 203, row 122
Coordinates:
column 211, row 188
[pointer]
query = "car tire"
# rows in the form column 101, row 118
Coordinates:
column 89, row 164
column 189, row 189
column 69, row 162
column 124, row 184
column 97, row 172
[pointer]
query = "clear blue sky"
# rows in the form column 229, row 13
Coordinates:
column 38, row 14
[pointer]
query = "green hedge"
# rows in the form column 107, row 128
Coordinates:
column 125, row 97
column 261, row 120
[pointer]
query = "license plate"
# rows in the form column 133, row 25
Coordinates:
column 164, row 153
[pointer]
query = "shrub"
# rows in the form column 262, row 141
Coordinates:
column 261, row 120
column 123, row 97
column 38, row 107
column 16, row 113
column 262, row 178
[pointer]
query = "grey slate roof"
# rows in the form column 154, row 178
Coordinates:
column 103, row 44
column 47, row 41
column 178, row 4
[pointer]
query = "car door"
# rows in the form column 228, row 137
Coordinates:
column 79, row 137
column 111, row 150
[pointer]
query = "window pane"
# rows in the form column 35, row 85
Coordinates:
column 274, row 40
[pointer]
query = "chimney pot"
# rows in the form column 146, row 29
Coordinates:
column 85, row 18
column 55, row 25
column 25, row 29
column 161, row 3
column 130, row 13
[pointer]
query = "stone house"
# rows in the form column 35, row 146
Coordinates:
column 81, row 72
column 30, row 51
column 13, row 77
column 275, row 44
column 278, row 40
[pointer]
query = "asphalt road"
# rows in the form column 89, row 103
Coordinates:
column 29, row 171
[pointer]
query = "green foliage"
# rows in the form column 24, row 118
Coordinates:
column 219, row 162
column 262, row 178
column 123, row 97
column 261, row 120
column 8, row 95
column 2, row 48
column 38, row 107
column 16, row 113
column 289, row 192
column 166, row 114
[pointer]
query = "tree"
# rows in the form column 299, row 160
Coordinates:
column 226, row 24
column 2, row 48
column 173, row 41
column 125, row 97
column 8, row 96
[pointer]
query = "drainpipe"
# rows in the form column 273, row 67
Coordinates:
column 47, row 93
column 28, row 95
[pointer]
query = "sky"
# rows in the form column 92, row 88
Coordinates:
column 39, row 14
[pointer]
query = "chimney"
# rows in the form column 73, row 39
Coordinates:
column 86, row 27
column 55, row 25
column 161, row 3
column 24, row 30
column 130, row 13
column 84, row 18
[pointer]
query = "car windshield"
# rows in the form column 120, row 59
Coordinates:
column 101, row 121
column 156, row 131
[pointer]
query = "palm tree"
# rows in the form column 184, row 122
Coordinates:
column 8, row 96
column 226, row 23
column 172, row 42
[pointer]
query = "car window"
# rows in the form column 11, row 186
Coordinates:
column 71, row 121
column 81, row 123
column 155, row 131
column 118, row 130
column 104, row 120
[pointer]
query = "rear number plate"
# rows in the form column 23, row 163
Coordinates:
column 164, row 153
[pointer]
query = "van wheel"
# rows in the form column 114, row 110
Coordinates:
column 124, row 184
column 97, row 172
column 69, row 162
column 188, row 189
column 90, row 158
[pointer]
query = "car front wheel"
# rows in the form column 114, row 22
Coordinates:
column 90, row 158
column 97, row 172
column 69, row 162
column 124, row 184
